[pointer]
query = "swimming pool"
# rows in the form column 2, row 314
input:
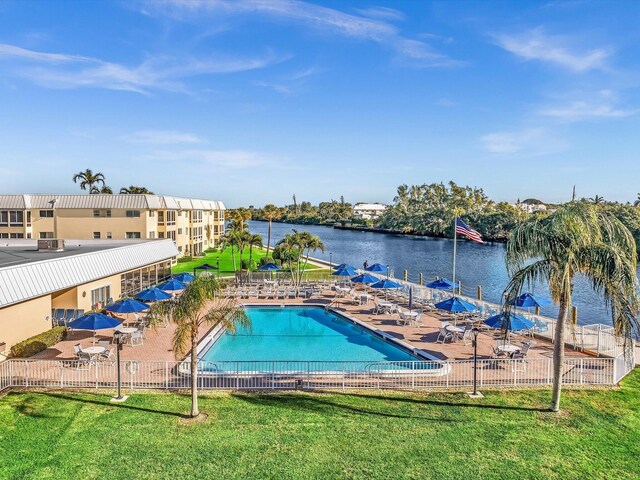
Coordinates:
column 308, row 334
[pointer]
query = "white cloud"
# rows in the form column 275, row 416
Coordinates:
column 528, row 142
column 310, row 15
column 56, row 70
column 536, row 45
column 382, row 13
column 163, row 137
column 601, row 105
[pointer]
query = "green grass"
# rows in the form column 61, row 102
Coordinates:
column 226, row 261
column 368, row 435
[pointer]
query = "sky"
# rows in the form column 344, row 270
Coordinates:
column 250, row 102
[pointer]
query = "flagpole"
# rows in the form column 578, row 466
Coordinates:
column 455, row 243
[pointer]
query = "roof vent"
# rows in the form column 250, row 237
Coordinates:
column 51, row 245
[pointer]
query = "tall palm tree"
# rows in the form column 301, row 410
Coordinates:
column 270, row 212
column 88, row 179
column 637, row 202
column 578, row 238
column 232, row 239
column 191, row 311
column 132, row 189
column 253, row 240
column 597, row 200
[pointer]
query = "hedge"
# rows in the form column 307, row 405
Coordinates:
column 38, row 343
column 185, row 259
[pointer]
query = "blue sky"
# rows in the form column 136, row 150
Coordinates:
column 251, row 102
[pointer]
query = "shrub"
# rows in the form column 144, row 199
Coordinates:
column 38, row 343
column 265, row 260
column 185, row 259
column 249, row 266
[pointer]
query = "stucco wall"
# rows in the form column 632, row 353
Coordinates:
column 23, row 320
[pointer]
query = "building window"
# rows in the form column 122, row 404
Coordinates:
column 16, row 235
column 152, row 234
column 46, row 213
column 100, row 295
column 16, row 218
column 4, row 235
column 179, row 231
column 96, row 213
column 133, row 235
column 109, row 235
column 28, row 218
column 161, row 217
column 28, row 235
column 96, row 235
column 4, row 218
column 152, row 213
column 133, row 213
column 44, row 235
column 180, row 248
column 160, row 234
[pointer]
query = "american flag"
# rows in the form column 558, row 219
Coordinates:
column 464, row 229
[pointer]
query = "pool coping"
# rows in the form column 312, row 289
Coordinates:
column 214, row 334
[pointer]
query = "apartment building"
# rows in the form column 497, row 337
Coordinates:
column 193, row 224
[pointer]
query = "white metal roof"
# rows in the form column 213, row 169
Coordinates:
column 369, row 206
column 30, row 280
column 24, row 202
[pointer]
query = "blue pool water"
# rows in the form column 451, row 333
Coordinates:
column 302, row 334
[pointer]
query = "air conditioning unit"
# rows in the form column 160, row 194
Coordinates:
column 51, row 245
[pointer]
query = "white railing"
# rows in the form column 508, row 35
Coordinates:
column 429, row 375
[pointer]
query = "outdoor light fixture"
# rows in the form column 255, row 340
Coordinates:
column 475, row 394
column 119, row 338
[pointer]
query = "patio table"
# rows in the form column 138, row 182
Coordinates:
column 508, row 348
column 94, row 350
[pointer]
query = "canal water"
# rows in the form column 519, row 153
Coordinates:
column 476, row 264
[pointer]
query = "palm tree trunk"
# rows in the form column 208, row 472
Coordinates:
column 195, row 411
column 268, row 238
column 558, row 356
column 233, row 255
column 250, row 257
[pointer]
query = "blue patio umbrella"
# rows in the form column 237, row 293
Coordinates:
column 269, row 267
column 441, row 284
column 514, row 322
column 529, row 300
column 128, row 305
column 386, row 284
column 377, row 267
column 345, row 272
column 94, row 321
column 456, row 305
column 152, row 295
column 365, row 278
column 204, row 267
column 171, row 285
column 184, row 277
column 341, row 266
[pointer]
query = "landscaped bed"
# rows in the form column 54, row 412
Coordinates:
column 372, row 434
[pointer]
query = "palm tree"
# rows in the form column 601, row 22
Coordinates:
column 270, row 212
column 637, row 202
column 297, row 246
column 133, row 190
column 597, row 200
column 105, row 189
column 89, row 180
column 191, row 311
column 578, row 238
column 253, row 240
column 232, row 239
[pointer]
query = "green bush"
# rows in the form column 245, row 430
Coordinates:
column 249, row 266
column 185, row 259
column 265, row 260
column 38, row 343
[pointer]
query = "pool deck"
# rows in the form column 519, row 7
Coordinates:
column 157, row 343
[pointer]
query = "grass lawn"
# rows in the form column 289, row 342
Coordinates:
column 281, row 435
column 226, row 261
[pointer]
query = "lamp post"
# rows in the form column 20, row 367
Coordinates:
column 475, row 394
column 330, row 263
column 119, row 339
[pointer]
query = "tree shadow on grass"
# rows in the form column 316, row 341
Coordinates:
column 443, row 403
column 322, row 405
column 125, row 406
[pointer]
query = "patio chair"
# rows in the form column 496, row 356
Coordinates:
column 444, row 335
column 540, row 326
column 497, row 352
column 107, row 357
column 467, row 337
column 59, row 317
column 417, row 321
column 77, row 348
column 106, row 344
column 292, row 293
column 69, row 314
column 84, row 361
column 136, row 339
